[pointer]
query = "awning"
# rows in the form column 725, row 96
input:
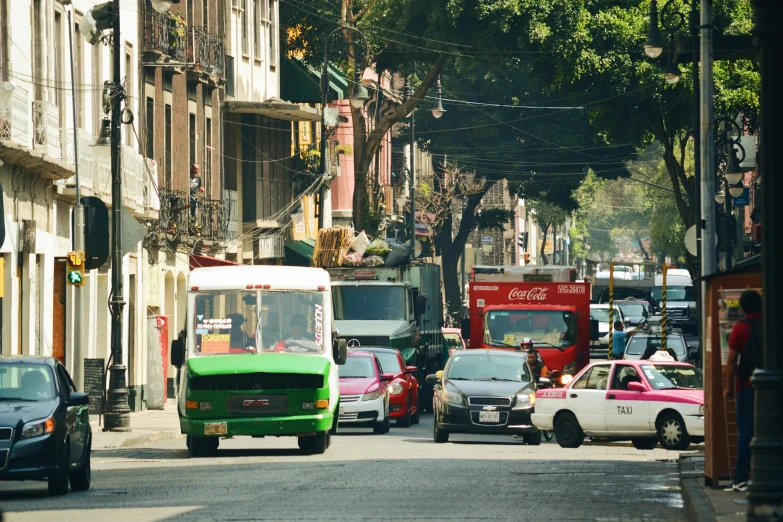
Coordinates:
column 299, row 253
column 199, row 261
column 274, row 108
column 301, row 83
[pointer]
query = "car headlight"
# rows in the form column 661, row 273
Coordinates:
column 566, row 379
column 451, row 397
column 395, row 389
column 525, row 400
column 37, row 428
column 372, row 395
column 702, row 409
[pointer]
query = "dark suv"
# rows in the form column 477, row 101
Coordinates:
column 44, row 424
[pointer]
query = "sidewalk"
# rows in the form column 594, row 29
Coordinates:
column 146, row 426
column 705, row 504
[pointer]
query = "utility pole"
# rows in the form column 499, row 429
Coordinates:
column 79, row 341
column 117, row 414
column 413, row 187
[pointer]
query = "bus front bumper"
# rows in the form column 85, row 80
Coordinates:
column 257, row 426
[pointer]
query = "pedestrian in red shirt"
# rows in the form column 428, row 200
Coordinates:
column 745, row 345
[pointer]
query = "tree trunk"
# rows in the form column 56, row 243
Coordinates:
column 544, row 231
column 451, row 283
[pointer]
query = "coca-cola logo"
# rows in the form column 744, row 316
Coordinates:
column 537, row 293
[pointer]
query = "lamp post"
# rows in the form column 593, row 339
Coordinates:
column 726, row 148
column 359, row 96
column 104, row 17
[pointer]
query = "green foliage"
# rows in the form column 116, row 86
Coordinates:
column 493, row 218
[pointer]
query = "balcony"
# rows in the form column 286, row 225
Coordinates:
column 165, row 37
column 207, row 54
column 176, row 224
column 139, row 174
column 14, row 114
column 231, row 199
column 46, row 128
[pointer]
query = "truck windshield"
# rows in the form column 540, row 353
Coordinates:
column 674, row 293
column 546, row 328
column 234, row 322
column 369, row 303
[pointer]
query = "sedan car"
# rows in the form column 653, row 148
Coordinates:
column 644, row 401
column 364, row 393
column 642, row 345
column 403, row 389
column 44, row 425
column 485, row 391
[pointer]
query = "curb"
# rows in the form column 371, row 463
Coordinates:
column 136, row 439
column 697, row 504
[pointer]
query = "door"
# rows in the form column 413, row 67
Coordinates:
column 625, row 411
column 72, row 414
column 587, row 396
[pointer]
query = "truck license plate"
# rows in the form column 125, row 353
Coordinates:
column 489, row 416
column 215, row 428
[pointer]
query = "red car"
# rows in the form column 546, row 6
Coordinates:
column 403, row 390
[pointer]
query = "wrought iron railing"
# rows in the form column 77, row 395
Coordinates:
column 166, row 35
column 14, row 114
column 46, row 128
column 231, row 198
column 206, row 52
column 211, row 219
column 174, row 216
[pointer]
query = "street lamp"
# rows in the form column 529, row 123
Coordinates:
column 438, row 110
column 672, row 72
column 653, row 46
column 101, row 18
column 728, row 144
column 720, row 197
column 357, row 99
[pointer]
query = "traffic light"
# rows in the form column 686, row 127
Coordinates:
column 96, row 232
column 522, row 242
column 74, row 270
column 527, row 258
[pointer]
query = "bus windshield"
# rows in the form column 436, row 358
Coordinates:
column 546, row 328
column 235, row 322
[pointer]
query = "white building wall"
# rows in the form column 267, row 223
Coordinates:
column 257, row 67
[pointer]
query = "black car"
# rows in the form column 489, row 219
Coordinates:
column 485, row 391
column 44, row 425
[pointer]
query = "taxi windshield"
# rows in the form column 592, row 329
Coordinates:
column 236, row 322
column 488, row 368
column 453, row 341
column 673, row 376
column 545, row 328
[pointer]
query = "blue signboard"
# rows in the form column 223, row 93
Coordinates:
column 743, row 200
column 486, row 239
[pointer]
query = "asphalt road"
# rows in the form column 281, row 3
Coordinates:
column 403, row 475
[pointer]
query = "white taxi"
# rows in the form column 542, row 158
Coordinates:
column 645, row 401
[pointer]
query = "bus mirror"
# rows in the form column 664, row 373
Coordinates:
column 466, row 327
column 178, row 352
column 340, row 351
column 594, row 335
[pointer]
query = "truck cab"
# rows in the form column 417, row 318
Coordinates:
column 259, row 357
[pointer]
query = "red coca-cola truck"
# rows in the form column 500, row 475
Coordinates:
column 523, row 306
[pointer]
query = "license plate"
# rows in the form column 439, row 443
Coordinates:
column 489, row 416
column 215, row 428
column 341, row 411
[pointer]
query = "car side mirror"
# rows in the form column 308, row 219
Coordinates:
column 387, row 377
column 178, row 352
column 77, row 399
column 432, row 379
column 411, row 369
column 594, row 334
column 627, row 321
column 420, row 304
column 340, row 351
column 636, row 386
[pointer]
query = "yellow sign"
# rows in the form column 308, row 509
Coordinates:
column 215, row 343
column 74, row 270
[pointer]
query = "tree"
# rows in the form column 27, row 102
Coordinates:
column 548, row 215
column 592, row 51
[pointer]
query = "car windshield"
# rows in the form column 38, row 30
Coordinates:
column 639, row 344
column 670, row 376
column 546, row 328
column 601, row 314
column 390, row 362
column 631, row 309
column 235, row 322
column 369, row 303
column 357, row 367
column 674, row 293
column 26, row 383
column 453, row 341
column 488, row 368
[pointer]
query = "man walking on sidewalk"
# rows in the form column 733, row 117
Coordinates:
column 745, row 345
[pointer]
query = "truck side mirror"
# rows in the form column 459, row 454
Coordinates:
column 466, row 327
column 340, row 351
column 178, row 352
column 594, row 335
column 420, row 304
